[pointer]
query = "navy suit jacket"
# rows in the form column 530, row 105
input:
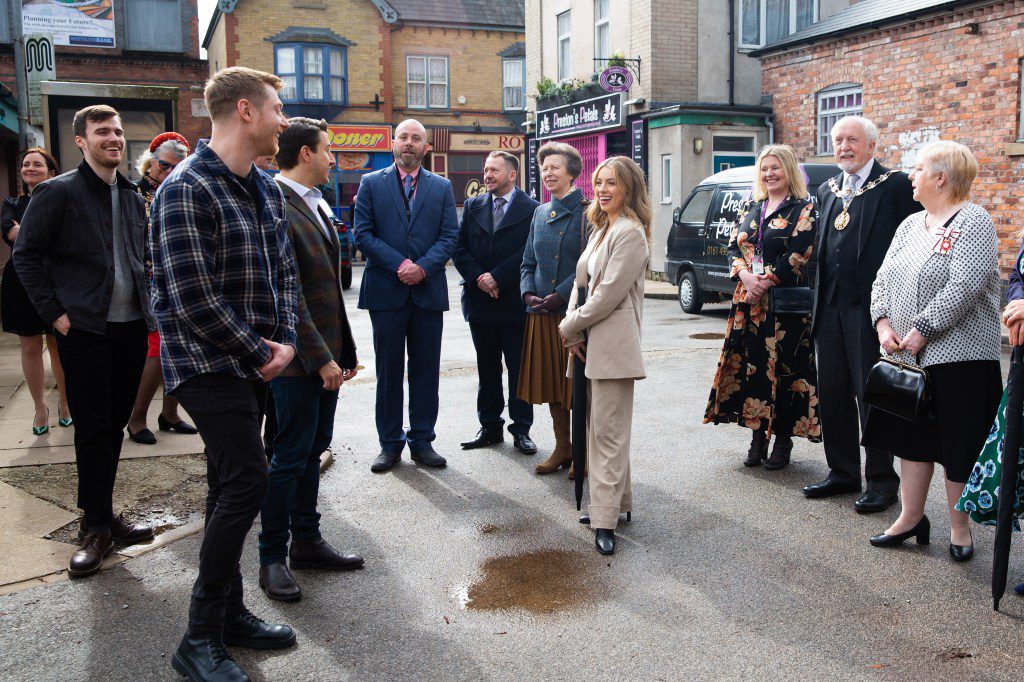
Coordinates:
column 387, row 237
column 498, row 251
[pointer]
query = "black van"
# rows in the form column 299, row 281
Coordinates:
column 695, row 255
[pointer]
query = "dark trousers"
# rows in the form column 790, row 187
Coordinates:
column 492, row 342
column 305, row 421
column 226, row 410
column 847, row 348
column 395, row 331
column 269, row 425
column 102, row 374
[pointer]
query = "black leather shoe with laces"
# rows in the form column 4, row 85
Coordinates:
column 206, row 660
column 250, row 631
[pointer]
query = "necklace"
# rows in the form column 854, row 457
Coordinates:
column 843, row 219
column 938, row 221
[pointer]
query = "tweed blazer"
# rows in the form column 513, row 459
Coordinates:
column 950, row 296
column 613, row 313
column 323, row 333
column 551, row 251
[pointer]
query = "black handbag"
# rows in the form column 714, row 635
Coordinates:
column 790, row 300
column 898, row 388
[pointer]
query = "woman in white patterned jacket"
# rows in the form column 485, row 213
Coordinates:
column 935, row 302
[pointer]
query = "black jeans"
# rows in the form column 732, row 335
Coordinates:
column 226, row 410
column 102, row 374
column 305, row 419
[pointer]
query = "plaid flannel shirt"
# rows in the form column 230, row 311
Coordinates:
column 223, row 270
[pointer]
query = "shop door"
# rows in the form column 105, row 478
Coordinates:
column 732, row 151
column 592, row 150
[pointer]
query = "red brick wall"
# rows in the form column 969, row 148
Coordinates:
column 931, row 73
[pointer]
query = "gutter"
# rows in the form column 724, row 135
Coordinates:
column 717, row 109
column 214, row 20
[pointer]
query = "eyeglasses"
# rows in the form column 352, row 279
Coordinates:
column 166, row 166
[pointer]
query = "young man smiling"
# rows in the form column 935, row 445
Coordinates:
column 80, row 255
column 225, row 300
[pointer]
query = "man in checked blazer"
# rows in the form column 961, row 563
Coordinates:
column 306, row 392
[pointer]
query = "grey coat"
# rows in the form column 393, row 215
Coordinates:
column 553, row 247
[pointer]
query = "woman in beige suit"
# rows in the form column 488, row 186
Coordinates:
column 604, row 332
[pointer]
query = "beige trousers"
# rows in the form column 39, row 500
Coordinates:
column 609, row 425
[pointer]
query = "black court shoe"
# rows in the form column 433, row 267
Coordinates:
column 922, row 531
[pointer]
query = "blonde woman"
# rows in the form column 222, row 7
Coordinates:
column 604, row 332
column 766, row 379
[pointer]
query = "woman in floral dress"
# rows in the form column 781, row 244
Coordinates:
column 766, row 379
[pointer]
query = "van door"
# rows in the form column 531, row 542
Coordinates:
column 686, row 240
column 724, row 213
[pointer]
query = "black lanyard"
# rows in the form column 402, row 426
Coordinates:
column 401, row 190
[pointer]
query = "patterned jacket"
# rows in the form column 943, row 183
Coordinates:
column 223, row 270
column 554, row 246
column 323, row 333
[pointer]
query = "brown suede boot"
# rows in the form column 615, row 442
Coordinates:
column 561, row 456
column 572, row 474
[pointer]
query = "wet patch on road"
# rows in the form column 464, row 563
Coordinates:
column 489, row 529
column 542, row 582
column 708, row 336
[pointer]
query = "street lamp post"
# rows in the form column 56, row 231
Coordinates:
column 20, row 78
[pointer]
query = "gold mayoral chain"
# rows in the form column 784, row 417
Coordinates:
column 843, row 219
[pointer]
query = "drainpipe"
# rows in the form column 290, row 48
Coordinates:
column 769, row 121
column 732, row 53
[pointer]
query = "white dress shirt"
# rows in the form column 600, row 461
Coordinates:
column 311, row 195
column 862, row 176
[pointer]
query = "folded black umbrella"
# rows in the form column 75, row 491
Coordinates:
column 579, row 427
column 1008, row 479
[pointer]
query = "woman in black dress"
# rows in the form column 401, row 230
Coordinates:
column 766, row 379
column 19, row 315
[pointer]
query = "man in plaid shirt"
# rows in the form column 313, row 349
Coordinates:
column 225, row 298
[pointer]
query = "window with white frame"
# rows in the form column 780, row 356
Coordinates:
column 152, row 25
column 426, row 80
column 833, row 104
column 602, row 30
column 763, row 22
column 512, row 78
column 564, row 27
column 666, row 178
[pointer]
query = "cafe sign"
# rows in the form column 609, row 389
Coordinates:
column 346, row 138
column 467, row 142
column 581, row 118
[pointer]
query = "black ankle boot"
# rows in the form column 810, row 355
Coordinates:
column 758, row 449
column 605, row 541
column 206, row 659
column 780, row 453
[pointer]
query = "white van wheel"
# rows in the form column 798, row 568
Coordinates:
column 691, row 298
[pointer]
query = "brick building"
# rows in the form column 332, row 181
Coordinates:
column 149, row 69
column 922, row 70
column 364, row 65
column 694, row 107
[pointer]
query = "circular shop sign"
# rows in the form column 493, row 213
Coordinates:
column 616, row 79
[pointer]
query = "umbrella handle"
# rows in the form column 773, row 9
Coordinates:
column 1017, row 354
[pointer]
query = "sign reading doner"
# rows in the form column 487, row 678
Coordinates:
column 81, row 23
column 345, row 138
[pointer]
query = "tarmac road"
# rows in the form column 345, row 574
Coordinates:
column 481, row 571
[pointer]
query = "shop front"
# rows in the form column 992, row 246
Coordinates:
column 596, row 128
column 358, row 150
column 460, row 157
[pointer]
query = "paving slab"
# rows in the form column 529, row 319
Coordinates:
column 23, row 552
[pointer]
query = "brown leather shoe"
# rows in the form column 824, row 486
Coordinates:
column 88, row 559
column 277, row 581
column 306, row 554
column 126, row 532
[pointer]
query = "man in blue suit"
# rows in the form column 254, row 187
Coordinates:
column 494, row 230
column 406, row 226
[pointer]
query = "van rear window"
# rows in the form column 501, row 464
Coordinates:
column 725, row 210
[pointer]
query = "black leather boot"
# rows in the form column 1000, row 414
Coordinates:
column 203, row 660
column 781, row 452
column 758, row 449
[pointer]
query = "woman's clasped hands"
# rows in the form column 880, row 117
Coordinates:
column 756, row 285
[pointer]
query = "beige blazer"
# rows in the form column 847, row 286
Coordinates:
column 613, row 312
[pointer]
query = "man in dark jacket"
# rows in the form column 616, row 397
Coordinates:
column 859, row 211
column 80, row 255
column 306, row 392
column 492, row 235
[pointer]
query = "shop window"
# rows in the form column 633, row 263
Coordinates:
column 763, row 22
column 513, row 76
column 153, row 25
column 833, row 104
column 312, row 73
column 602, row 30
column 666, row 178
column 564, row 25
column 426, row 82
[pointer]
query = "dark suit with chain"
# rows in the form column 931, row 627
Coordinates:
column 845, row 341
column 497, row 324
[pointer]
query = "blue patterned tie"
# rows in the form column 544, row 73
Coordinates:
column 410, row 189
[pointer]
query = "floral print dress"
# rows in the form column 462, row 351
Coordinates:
column 766, row 378
column 980, row 497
